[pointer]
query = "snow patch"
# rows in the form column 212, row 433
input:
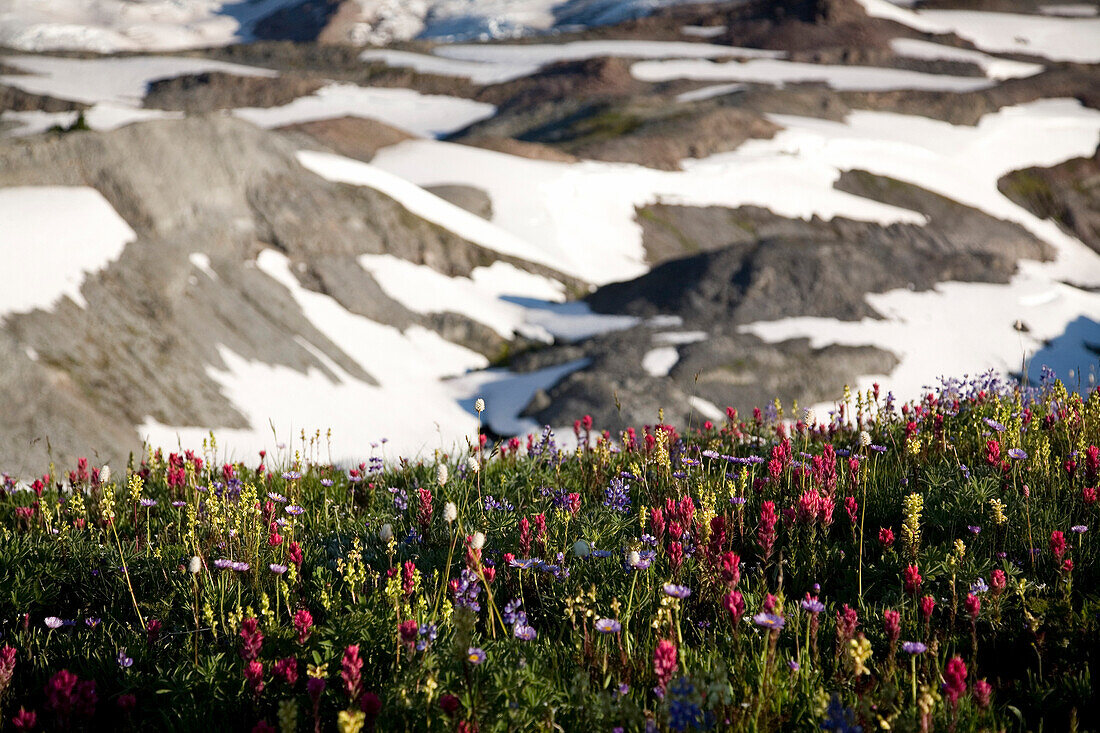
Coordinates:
column 114, row 81
column 778, row 72
column 993, row 67
column 420, row 202
column 1058, row 39
column 659, row 362
column 202, row 262
column 52, row 238
column 425, row 115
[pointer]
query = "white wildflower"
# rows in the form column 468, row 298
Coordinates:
column 441, row 474
column 472, row 464
column 479, row 405
column 386, row 533
column 450, row 512
column 195, row 565
column 105, row 474
column 478, row 541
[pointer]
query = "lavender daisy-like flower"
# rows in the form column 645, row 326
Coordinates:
column 738, row 500
column 1079, row 528
column 54, row 622
column 277, row 568
column 294, row 510
column 223, row 564
column 1017, row 453
column 291, row 476
column 179, row 504
column 241, row 566
column 677, row 591
column 974, row 529
column 526, row 564
column 326, row 482
column 769, row 620
column 92, row 622
column 475, row 655
column 276, row 497
column 812, row 605
column 608, row 626
column 913, row 647
column 148, row 502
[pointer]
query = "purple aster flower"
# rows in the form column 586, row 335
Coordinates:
column 222, row 564
column 179, row 504
column 92, row 622
column 1018, row 453
column 276, row 497
column 812, row 605
column 526, row 564
column 677, row 591
column 148, row 502
column 913, row 647
column 737, row 500
column 277, row 568
column 1079, row 528
column 54, row 622
column 769, row 620
column 974, row 529
column 608, row 626
column 241, row 566
column 326, row 482
column 291, row 476
column 294, row 509
column 475, row 656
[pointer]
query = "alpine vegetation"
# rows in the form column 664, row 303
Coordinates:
column 925, row 566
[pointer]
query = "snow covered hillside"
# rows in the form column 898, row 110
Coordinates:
column 713, row 205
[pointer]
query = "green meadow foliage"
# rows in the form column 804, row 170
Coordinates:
column 927, row 566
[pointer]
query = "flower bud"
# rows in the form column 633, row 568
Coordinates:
column 386, row 533
column 581, row 548
column 194, row 565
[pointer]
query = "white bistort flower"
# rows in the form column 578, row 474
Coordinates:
column 478, row 541
column 386, row 533
column 441, row 474
column 450, row 512
column 194, row 565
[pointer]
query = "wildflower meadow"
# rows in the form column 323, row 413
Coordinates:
column 926, row 566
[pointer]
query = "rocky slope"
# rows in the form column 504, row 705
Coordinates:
column 1068, row 193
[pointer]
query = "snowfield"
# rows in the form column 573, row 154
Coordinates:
column 424, row 115
column 1056, row 38
column 51, row 239
column 493, row 64
column 779, row 72
column 117, row 81
column 966, row 327
column 580, row 217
